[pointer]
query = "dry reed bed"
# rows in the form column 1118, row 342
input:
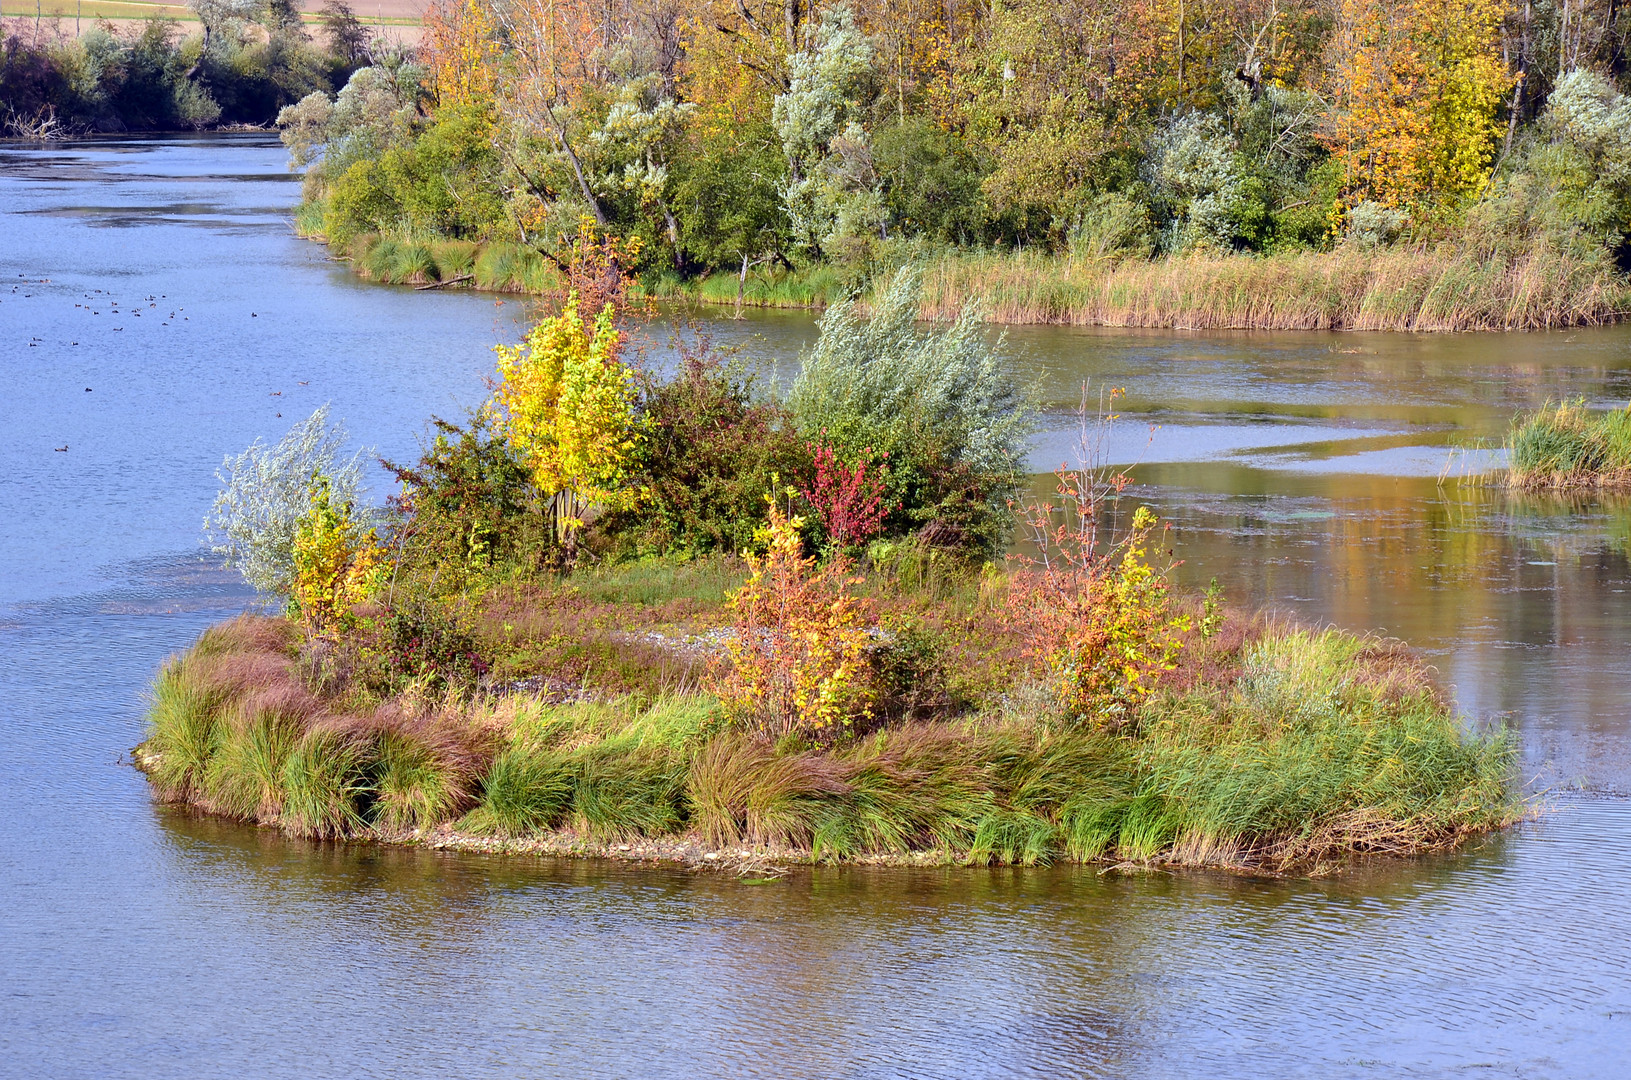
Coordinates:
column 1442, row 289
column 1448, row 288
column 1261, row 756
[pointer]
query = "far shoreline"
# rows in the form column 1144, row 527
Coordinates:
column 1422, row 289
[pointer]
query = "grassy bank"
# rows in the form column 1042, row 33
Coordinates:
column 1447, row 289
column 1568, row 446
column 1269, row 748
column 1426, row 289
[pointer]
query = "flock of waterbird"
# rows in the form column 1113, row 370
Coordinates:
column 97, row 301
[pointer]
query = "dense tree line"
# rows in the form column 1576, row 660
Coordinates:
column 731, row 133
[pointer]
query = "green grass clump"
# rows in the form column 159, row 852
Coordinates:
column 527, row 791
column 308, row 219
column 245, row 777
column 613, row 771
column 415, row 787
column 374, row 257
column 1324, row 743
column 495, row 266
column 1295, row 749
column 1568, row 445
column 453, row 258
column 324, row 785
column 184, row 730
column 412, row 261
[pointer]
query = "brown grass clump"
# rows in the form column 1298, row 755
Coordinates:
column 743, row 791
column 235, row 731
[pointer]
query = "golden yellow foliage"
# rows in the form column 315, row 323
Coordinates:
column 797, row 659
column 566, row 403
column 337, row 562
column 462, row 47
column 1418, row 87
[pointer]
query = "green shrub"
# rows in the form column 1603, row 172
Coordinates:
column 939, row 403
column 710, row 455
column 467, row 506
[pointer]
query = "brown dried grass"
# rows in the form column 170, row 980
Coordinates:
column 1444, row 288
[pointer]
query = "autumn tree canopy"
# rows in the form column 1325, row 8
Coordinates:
column 734, row 133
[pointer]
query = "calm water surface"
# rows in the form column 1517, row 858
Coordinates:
column 1301, row 471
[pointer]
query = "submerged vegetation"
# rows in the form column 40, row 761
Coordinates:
column 617, row 607
column 1460, row 164
column 1568, row 445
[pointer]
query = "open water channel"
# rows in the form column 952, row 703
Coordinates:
column 156, row 313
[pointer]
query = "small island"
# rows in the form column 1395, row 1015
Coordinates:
column 646, row 614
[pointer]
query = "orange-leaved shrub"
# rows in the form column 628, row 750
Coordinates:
column 1093, row 611
column 796, row 662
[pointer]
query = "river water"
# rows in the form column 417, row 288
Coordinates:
column 157, row 313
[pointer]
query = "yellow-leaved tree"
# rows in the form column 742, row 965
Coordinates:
column 462, row 47
column 1418, row 85
column 566, row 402
column 338, row 561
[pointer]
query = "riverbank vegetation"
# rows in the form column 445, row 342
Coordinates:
column 619, row 605
column 245, row 63
column 1461, row 164
column 1568, row 445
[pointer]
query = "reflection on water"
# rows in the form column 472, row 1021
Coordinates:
column 1299, row 469
column 1523, row 604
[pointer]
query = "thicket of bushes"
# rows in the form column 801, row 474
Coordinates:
column 246, row 63
column 869, row 138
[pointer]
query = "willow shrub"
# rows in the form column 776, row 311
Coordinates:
column 940, row 403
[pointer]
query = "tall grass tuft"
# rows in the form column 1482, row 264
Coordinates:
column 324, row 786
column 412, row 262
column 245, row 777
column 1568, row 445
column 495, row 267
column 418, row 784
column 184, row 730
column 454, row 258
column 613, row 771
column 1319, row 728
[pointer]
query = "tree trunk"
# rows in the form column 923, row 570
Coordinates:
column 577, row 168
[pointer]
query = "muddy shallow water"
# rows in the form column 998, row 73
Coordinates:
column 1301, row 471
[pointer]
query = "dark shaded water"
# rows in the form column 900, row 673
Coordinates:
column 1299, row 468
